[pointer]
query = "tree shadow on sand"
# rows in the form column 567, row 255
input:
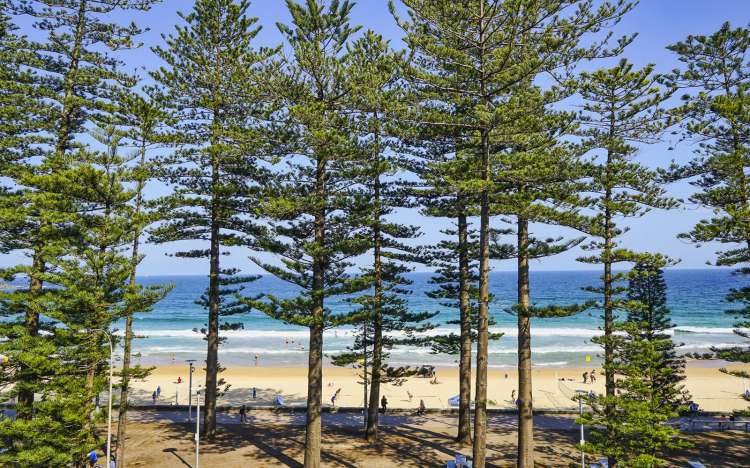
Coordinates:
column 405, row 441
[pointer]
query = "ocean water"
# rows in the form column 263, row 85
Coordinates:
column 696, row 299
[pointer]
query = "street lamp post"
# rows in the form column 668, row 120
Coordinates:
column 190, row 387
column 197, row 428
column 580, row 394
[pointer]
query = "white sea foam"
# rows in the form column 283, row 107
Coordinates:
column 551, row 364
column 495, row 349
column 706, row 330
column 298, row 334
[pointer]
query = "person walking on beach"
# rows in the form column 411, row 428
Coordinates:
column 585, row 377
column 153, row 397
column 254, row 393
column 592, row 376
column 422, row 408
column 513, row 395
column 158, row 391
column 243, row 413
column 333, row 400
column 384, row 404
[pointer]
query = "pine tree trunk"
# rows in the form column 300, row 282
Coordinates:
column 25, row 399
column 365, row 412
column 480, row 408
column 464, row 365
column 609, row 319
column 71, row 80
column 377, row 343
column 212, row 355
column 525, row 409
column 315, row 359
column 122, row 416
column 609, row 352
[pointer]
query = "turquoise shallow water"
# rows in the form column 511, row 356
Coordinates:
column 695, row 298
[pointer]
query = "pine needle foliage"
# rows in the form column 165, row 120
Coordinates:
column 385, row 318
column 464, row 66
column 716, row 115
column 648, row 378
column 210, row 82
column 623, row 107
column 312, row 203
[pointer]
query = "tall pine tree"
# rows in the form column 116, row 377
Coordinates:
column 622, row 107
column 374, row 73
column 143, row 119
column 312, row 202
column 464, row 66
column 76, row 83
column 210, row 82
column 536, row 182
column 648, row 376
column 716, row 114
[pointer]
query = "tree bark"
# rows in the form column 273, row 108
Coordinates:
column 377, row 344
column 480, row 407
column 609, row 315
column 464, row 364
column 525, row 408
column 66, row 117
column 212, row 355
column 315, row 358
column 122, row 416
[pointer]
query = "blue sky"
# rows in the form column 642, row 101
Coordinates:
column 658, row 22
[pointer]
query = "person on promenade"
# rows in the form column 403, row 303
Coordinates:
column 243, row 413
column 384, row 404
column 93, row 457
column 333, row 400
column 422, row 408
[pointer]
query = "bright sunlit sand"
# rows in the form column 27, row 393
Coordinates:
column 711, row 389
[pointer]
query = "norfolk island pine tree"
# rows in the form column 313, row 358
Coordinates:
column 622, row 107
column 310, row 203
column 459, row 52
column 715, row 77
column 211, row 83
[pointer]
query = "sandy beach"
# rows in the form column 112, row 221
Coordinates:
column 711, row 389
